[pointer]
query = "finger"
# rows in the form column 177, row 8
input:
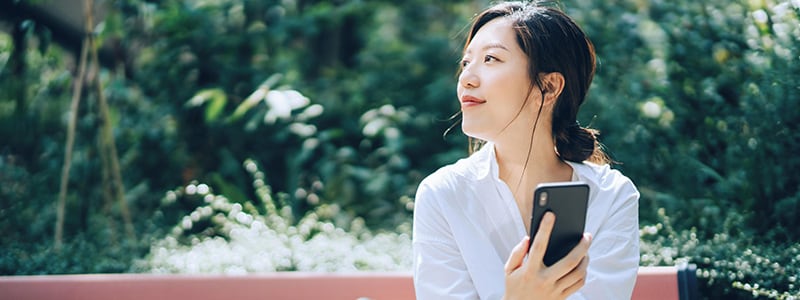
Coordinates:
column 576, row 276
column 574, row 288
column 517, row 255
column 542, row 237
column 574, row 257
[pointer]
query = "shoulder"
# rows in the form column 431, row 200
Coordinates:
column 454, row 176
column 436, row 199
column 603, row 177
column 446, row 179
column 448, row 184
column 609, row 188
column 613, row 212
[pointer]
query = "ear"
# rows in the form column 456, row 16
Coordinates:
column 552, row 85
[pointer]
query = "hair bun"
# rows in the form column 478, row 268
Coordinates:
column 575, row 143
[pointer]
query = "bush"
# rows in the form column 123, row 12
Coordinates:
column 695, row 98
column 730, row 265
column 230, row 238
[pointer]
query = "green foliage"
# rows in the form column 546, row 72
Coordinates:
column 701, row 114
column 697, row 101
column 338, row 54
column 344, row 104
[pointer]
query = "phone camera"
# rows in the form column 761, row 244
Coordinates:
column 543, row 199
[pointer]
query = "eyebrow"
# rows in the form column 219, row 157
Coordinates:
column 493, row 45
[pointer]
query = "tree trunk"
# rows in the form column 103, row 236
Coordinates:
column 108, row 147
column 73, row 117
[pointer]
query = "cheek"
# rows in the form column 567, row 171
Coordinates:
column 523, row 92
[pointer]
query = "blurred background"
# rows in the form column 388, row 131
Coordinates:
column 242, row 136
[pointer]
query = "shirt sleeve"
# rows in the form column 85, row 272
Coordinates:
column 439, row 270
column 614, row 253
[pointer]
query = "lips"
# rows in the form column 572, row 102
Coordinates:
column 469, row 101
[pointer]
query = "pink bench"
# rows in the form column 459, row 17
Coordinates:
column 679, row 282
column 653, row 283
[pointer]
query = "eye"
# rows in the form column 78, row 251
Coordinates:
column 489, row 58
column 463, row 63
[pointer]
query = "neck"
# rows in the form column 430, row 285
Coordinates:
column 524, row 164
column 522, row 170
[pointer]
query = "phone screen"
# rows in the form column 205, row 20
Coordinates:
column 568, row 201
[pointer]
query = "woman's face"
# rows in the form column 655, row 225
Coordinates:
column 494, row 83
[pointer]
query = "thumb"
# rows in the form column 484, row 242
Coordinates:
column 517, row 255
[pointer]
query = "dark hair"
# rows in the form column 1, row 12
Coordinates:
column 554, row 43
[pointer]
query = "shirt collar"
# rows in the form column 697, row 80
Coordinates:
column 486, row 164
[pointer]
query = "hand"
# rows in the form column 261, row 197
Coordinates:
column 531, row 279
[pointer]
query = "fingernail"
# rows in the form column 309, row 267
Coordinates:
column 588, row 236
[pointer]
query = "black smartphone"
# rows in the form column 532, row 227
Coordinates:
column 568, row 201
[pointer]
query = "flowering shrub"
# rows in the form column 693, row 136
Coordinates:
column 221, row 236
column 730, row 266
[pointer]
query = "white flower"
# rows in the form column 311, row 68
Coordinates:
column 651, row 109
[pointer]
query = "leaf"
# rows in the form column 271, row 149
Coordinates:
column 271, row 81
column 249, row 103
column 216, row 107
column 217, row 99
column 202, row 96
column 257, row 96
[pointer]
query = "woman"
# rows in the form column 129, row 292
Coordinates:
column 525, row 71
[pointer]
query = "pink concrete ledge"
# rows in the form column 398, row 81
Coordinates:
column 653, row 283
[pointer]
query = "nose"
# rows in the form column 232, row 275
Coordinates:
column 468, row 79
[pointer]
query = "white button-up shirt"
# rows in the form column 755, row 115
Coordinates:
column 466, row 223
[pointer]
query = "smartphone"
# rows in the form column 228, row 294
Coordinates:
column 568, row 201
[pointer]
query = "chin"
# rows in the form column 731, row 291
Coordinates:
column 473, row 131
